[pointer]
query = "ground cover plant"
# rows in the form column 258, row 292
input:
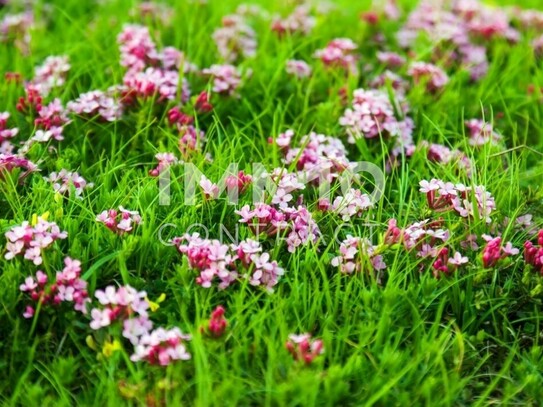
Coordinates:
column 271, row 203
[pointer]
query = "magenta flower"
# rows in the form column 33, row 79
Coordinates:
column 226, row 78
column 235, row 38
column 118, row 304
column 533, row 254
column 64, row 181
column 30, row 241
column 121, row 221
column 299, row 21
column 298, row 68
column 357, row 254
column 481, row 133
column 433, row 77
column 217, row 323
column 161, row 347
column 97, row 103
column 303, row 348
column 339, row 53
column 68, row 287
column 165, row 160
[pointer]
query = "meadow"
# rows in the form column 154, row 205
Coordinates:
column 259, row 203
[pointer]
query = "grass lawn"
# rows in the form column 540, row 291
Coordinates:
column 271, row 204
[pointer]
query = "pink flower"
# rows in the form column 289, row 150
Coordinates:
column 356, row 255
column 31, row 240
column 303, row 348
column 458, row 259
column 210, row 190
column 226, row 78
column 298, row 68
column 217, row 323
column 121, row 221
column 339, row 53
column 96, row 103
column 432, row 76
column 64, row 182
column 299, row 22
column 161, row 347
column 235, row 38
column 165, row 160
column 482, row 133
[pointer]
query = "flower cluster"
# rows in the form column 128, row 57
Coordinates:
column 6, row 134
column 353, row 204
column 445, row 264
column 339, row 53
column 165, row 160
column 235, row 38
column 150, row 73
column 16, row 28
column 51, row 74
column 390, row 59
column 161, row 347
column 373, row 114
column 299, row 21
column 494, row 251
column 119, row 304
column 357, row 254
column 121, row 221
column 421, row 236
column 481, row 133
column 464, row 200
column 433, row 77
column 296, row 225
column 64, row 181
column 533, row 254
column 30, row 240
column 444, row 155
column 8, row 162
column 217, row 324
column 227, row 263
column 298, row 68
column 226, row 78
column 303, row 348
column 96, row 103
column 69, row 287
column 319, row 157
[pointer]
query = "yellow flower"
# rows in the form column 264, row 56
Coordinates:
column 154, row 305
column 110, row 347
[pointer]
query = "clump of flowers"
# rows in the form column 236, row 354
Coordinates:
column 433, row 77
column 318, row 157
column 494, row 251
column 161, row 347
column 51, row 74
column 191, row 140
column 445, row 264
column 357, row 254
column 422, row 237
column 390, row 59
column 442, row 154
column 339, row 53
column 64, row 181
column 216, row 327
column 481, row 132
column 16, row 28
column 298, row 68
column 121, row 221
column 5, row 133
column 226, row 78
column 303, row 348
column 119, row 304
column 353, row 204
column 300, row 21
column 372, row 114
column 295, row 224
column 137, row 48
column 68, row 287
column 226, row 264
column 238, row 183
column 464, row 200
column 235, row 38
column 30, row 240
column 533, row 254
column 9, row 162
column 96, row 103
column 165, row 160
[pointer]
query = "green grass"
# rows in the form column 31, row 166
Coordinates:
column 473, row 338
